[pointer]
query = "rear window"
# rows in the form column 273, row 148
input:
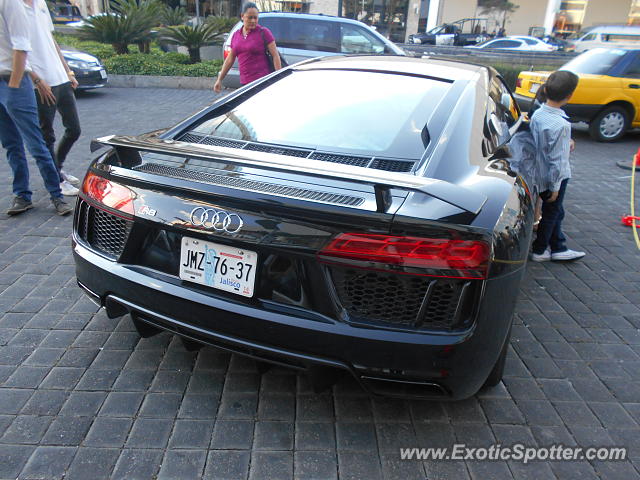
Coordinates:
column 596, row 62
column 342, row 111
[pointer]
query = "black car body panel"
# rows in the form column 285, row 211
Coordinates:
column 399, row 328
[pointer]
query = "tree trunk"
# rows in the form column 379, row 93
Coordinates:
column 120, row 48
column 194, row 55
column 144, row 47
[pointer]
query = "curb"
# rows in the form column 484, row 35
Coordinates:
column 150, row 81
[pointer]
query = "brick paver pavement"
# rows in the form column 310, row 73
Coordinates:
column 82, row 397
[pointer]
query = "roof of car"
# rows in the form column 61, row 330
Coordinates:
column 312, row 16
column 442, row 69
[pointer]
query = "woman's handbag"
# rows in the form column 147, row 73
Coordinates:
column 272, row 67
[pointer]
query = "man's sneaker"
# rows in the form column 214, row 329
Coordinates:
column 567, row 256
column 75, row 181
column 68, row 189
column 541, row 257
column 19, row 205
column 62, row 207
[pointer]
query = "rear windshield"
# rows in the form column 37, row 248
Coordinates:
column 338, row 111
column 596, row 62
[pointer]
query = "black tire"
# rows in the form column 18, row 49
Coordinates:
column 610, row 124
column 497, row 371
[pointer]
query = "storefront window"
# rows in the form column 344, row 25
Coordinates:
column 570, row 16
column 634, row 13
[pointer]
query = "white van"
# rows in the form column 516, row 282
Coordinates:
column 611, row 36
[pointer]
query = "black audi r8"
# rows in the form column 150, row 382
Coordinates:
column 345, row 213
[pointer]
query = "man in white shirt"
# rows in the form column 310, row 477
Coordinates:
column 54, row 82
column 19, row 114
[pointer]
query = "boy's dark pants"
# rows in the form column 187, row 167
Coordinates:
column 550, row 226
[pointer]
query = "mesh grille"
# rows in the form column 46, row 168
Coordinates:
column 294, row 152
column 344, row 159
column 378, row 164
column 392, row 165
column 223, row 142
column 234, row 182
column 191, row 138
column 396, row 300
column 103, row 231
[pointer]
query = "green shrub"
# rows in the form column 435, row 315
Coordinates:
column 175, row 57
column 97, row 49
column 171, row 64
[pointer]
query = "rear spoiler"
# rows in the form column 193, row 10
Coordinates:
column 382, row 181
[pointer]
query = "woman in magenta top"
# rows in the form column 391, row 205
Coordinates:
column 247, row 44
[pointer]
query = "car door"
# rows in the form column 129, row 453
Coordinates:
column 300, row 38
column 631, row 84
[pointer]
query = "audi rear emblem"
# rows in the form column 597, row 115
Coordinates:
column 217, row 220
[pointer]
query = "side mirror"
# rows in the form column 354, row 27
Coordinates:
column 503, row 152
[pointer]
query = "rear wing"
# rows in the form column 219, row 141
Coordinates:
column 382, row 181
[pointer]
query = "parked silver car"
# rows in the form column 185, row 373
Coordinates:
column 300, row 36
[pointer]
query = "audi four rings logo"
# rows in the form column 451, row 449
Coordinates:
column 217, row 220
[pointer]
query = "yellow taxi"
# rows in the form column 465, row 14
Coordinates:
column 608, row 93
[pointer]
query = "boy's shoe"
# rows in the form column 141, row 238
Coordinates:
column 75, row 181
column 62, row 207
column 567, row 256
column 19, row 205
column 68, row 189
column 541, row 257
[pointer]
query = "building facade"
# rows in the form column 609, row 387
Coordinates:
column 397, row 19
column 554, row 16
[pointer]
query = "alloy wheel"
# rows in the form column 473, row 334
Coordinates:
column 612, row 124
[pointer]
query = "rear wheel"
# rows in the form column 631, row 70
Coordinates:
column 609, row 125
column 497, row 371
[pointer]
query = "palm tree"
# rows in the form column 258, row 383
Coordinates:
column 221, row 24
column 115, row 29
column 173, row 16
column 192, row 37
column 147, row 12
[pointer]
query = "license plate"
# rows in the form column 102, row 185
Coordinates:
column 103, row 73
column 219, row 266
column 534, row 88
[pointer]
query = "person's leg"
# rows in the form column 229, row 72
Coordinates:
column 12, row 142
column 21, row 106
column 69, row 112
column 557, row 239
column 46, row 115
column 547, row 224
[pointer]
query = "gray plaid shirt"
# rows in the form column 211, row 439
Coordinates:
column 552, row 136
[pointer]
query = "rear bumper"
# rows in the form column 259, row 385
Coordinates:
column 392, row 363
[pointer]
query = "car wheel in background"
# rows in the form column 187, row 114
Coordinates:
column 609, row 125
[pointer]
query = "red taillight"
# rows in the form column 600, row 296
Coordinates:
column 519, row 83
column 421, row 256
column 226, row 52
column 108, row 193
